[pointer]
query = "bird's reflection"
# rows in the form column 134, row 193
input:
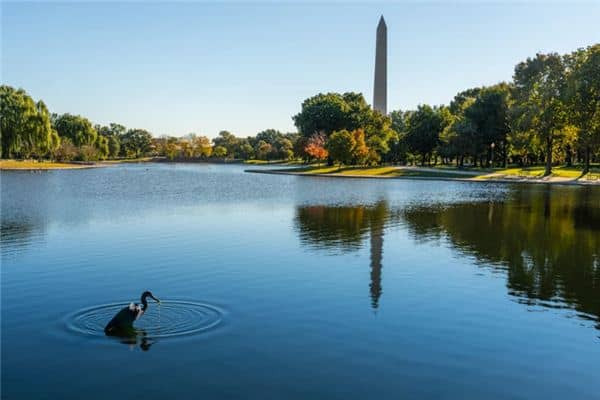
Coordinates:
column 133, row 337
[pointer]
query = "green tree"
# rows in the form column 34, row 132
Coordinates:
column 457, row 105
column 117, row 130
column 219, row 151
column 584, row 99
column 170, row 147
column 539, row 93
column 228, row 141
column 378, row 133
column 114, row 146
column 326, row 113
column 340, row 146
column 270, row 136
column 201, row 146
column 285, row 148
column 77, row 128
column 397, row 144
column 246, row 151
column 113, row 133
column 25, row 127
column 459, row 139
column 47, row 139
column 136, row 143
column 262, row 150
column 323, row 113
column 102, row 147
column 489, row 115
column 399, row 120
column 423, row 133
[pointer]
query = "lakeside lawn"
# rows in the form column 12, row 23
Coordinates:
column 560, row 173
column 537, row 172
column 38, row 165
column 48, row 165
column 381, row 172
column 129, row 160
column 274, row 162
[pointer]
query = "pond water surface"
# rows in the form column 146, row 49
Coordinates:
column 281, row 287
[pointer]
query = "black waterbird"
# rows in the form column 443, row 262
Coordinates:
column 122, row 322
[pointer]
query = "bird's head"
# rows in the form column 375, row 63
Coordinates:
column 148, row 294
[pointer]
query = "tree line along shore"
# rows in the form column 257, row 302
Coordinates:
column 548, row 116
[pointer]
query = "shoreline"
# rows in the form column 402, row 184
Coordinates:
column 44, row 166
column 33, row 165
column 466, row 177
column 397, row 172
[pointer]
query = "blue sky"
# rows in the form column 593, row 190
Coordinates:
column 175, row 68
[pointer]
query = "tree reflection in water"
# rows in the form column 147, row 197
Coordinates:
column 546, row 241
column 342, row 229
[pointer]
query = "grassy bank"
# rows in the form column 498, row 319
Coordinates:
column 381, row 172
column 130, row 160
column 34, row 165
column 538, row 172
column 40, row 165
column 274, row 162
column 533, row 174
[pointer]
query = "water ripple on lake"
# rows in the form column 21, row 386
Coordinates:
column 172, row 318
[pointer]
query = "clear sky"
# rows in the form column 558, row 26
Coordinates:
column 175, row 68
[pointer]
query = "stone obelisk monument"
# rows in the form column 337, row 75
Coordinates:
column 380, row 87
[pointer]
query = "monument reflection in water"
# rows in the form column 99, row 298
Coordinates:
column 546, row 243
column 343, row 229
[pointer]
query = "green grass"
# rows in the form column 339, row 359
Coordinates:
column 385, row 172
column 128, row 160
column 279, row 162
column 256, row 162
column 538, row 172
column 34, row 165
column 444, row 172
column 45, row 164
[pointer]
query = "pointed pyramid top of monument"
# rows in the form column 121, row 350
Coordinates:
column 381, row 21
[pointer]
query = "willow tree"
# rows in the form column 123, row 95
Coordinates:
column 25, row 127
column 77, row 128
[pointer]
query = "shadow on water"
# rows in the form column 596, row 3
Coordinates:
column 545, row 241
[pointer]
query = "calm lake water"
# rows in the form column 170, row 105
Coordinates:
column 280, row 287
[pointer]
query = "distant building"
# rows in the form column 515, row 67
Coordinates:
column 380, row 86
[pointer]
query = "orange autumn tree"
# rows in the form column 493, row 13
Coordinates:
column 360, row 152
column 315, row 147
